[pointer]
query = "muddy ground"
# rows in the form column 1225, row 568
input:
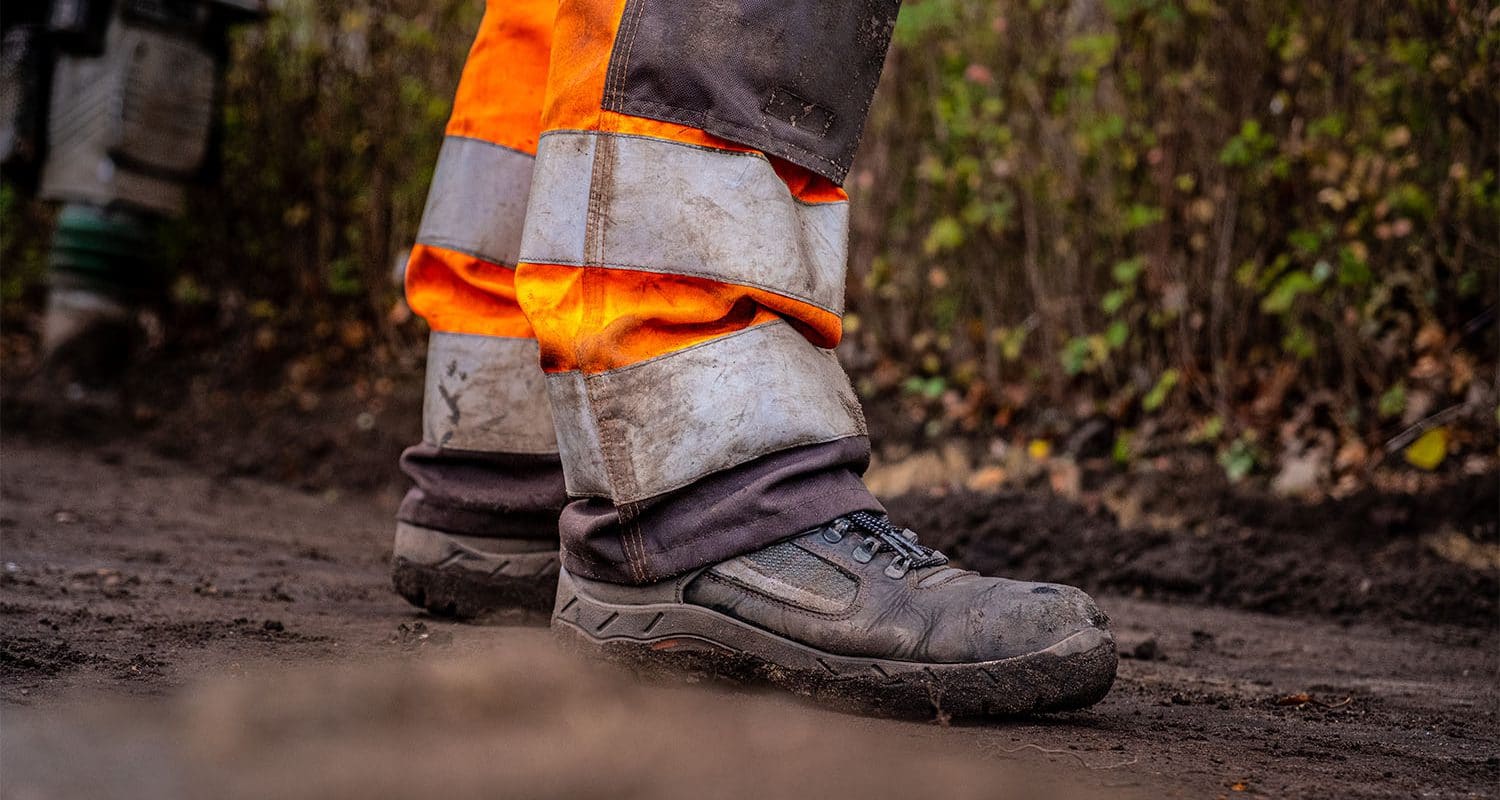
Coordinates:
column 167, row 629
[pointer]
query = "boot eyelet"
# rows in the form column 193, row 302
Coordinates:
column 833, row 535
column 865, row 551
column 898, row 567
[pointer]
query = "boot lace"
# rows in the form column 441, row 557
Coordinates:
column 880, row 535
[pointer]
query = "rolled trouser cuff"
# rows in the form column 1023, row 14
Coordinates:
column 515, row 496
column 486, row 394
column 488, row 462
column 720, row 516
column 639, row 432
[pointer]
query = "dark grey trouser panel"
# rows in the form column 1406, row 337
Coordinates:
column 483, row 494
column 792, row 78
column 724, row 515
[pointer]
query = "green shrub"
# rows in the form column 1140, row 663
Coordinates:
column 1193, row 209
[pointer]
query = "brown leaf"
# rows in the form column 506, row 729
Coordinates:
column 1430, row 337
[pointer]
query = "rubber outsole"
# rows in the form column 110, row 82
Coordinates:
column 447, row 593
column 674, row 638
column 448, row 577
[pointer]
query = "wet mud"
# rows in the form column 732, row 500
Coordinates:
column 168, row 630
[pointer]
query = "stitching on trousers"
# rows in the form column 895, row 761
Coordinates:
column 703, row 148
column 753, row 138
column 634, row 531
column 618, row 474
column 630, row 523
column 628, row 29
column 632, row 557
column 618, row 471
column 601, row 185
column 683, row 271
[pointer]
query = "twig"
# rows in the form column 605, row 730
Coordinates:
column 1081, row 759
column 1410, row 435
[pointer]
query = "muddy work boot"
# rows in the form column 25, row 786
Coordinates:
column 859, row 615
column 474, row 577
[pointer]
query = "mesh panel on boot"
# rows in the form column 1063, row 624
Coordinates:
column 793, row 575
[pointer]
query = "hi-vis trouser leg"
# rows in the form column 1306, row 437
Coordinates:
column 488, row 462
column 683, row 268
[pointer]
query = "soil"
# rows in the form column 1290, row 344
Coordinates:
column 1426, row 557
column 167, row 628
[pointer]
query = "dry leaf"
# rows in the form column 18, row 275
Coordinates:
column 988, row 479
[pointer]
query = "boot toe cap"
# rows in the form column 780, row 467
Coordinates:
column 1033, row 617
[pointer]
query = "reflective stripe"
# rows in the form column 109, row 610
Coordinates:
column 647, row 429
column 683, row 210
column 477, row 203
column 578, row 440
column 486, row 393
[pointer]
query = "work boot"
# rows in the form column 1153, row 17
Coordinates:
column 88, row 338
column 474, row 577
column 858, row 614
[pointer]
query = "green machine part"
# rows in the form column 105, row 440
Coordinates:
column 107, row 251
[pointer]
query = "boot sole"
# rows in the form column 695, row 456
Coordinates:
column 448, row 578
column 699, row 642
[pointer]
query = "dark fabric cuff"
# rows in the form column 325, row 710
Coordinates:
column 719, row 517
column 483, row 494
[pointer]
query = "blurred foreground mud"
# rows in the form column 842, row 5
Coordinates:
column 521, row 721
column 167, row 631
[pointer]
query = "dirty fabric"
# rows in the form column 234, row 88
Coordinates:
column 486, row 394
column 719, row 517
column 483, row 494
column 632, row 434
column 681, row 278
column 792, row 78
column 487, row 464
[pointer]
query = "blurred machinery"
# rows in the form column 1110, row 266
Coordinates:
column 108, row 107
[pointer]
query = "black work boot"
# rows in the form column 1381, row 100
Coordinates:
column 474, row 577
column 858, row 614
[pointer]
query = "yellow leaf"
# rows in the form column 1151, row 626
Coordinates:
column 1428, row 451
column 1039, row 449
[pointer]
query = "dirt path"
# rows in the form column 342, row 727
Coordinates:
column 125, row 574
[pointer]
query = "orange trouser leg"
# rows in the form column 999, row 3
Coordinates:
column 461, row 275
column 685, row 291
column 488, row 462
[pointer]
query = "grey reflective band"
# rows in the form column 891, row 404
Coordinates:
column 486, row 393
column 640, row 431
column 633, row 202
column 477, row 203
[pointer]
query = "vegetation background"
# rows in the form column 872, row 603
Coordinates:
column 1267, row 233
